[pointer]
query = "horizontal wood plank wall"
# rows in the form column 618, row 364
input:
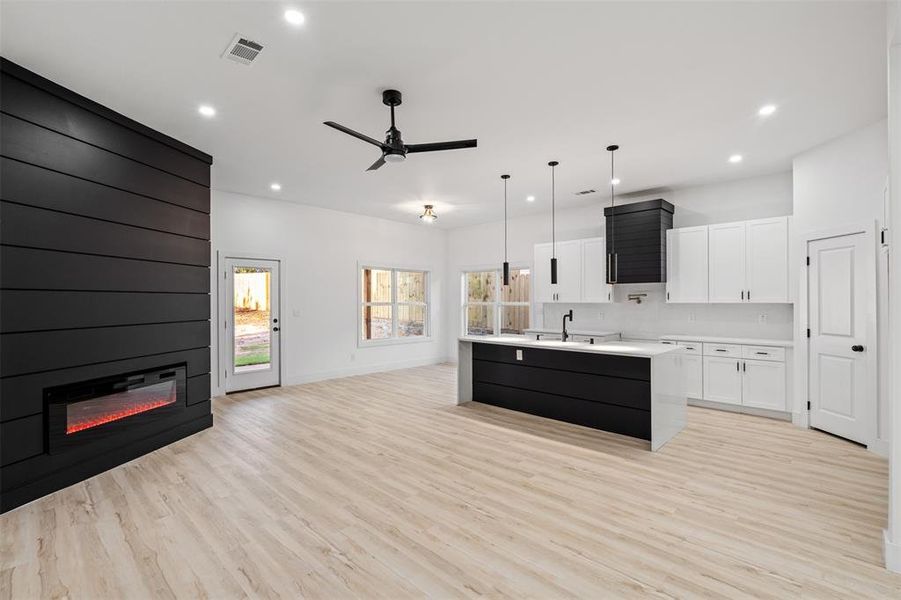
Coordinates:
column 105, row 253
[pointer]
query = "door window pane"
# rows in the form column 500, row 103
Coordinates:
column 376, row 322
column 411, row 286
column 376, row 285
column 480, row 319
column 480, row 286
column 514, row 319
column 410, row 319
column 518, row 290
column 252, row 330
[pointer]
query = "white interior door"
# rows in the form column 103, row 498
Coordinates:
column 839, row 351
column 767, row 260
column 727, row 262
column 251, row 324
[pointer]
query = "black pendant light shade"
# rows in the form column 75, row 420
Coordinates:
column 612, row 258
column 506, row 264
column 552, row 165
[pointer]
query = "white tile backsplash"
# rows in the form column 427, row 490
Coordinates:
column 654, row 317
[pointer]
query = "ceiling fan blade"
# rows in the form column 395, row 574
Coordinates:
column 435, row 146
column 356, row 134
column 377, row 163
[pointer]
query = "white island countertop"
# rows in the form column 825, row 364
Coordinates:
column 646, row 349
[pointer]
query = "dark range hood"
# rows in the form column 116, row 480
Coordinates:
column 636, row 241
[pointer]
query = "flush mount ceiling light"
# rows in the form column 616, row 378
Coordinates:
column 275, row 187
column 530, row 198
column 614, row 181
column 766, row 110
column 429, row 216
column 206, row 110
column 294, row 16
column 736, row 158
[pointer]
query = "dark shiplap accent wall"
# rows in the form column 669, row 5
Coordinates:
column 104, row 270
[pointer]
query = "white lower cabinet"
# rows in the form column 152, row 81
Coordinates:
column 722, row 379
column 740, row 375
column 693, row 371
column 763, row 384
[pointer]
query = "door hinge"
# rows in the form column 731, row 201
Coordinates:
column 808, row 261
column 808, row 332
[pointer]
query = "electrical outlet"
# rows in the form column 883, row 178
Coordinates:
column 353, row 356
column 296, row 312
column 600, row 315
column 761, row 318
column 691, row 316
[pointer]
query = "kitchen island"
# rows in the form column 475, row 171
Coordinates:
column 634, row 389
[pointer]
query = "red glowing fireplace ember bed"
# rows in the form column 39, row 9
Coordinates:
column 113, row 407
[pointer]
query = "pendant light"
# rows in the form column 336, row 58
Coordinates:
column 552, row 165
column 612, row 259
column 506, row 264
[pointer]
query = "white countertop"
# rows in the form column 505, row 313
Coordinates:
column 646, row 349
column 728, row 340
column 585, row 332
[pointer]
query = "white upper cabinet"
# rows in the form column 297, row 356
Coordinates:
column 594, row 271
column 569, row 271
column 581, row 272
column 541, row 274
column 766, row 262
column 727, row 262
column 686, row 264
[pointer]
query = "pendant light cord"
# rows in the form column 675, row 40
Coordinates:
column 505, row 219
column 553, row 212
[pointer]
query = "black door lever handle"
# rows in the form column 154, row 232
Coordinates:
column 857, row 348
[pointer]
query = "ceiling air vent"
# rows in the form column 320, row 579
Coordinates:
column 585, row 192
column 242, row 50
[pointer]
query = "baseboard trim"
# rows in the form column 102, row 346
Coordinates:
column 892, row 552
column 364, row 370
column 879, row 447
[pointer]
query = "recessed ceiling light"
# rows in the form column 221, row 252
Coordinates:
column 275, row 187
column 767, row 110
column 530, row 198
column 294, row 16
column 736, row 158
column 614, row 181
column 206, row 110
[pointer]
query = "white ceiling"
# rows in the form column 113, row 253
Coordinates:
column 676, row 84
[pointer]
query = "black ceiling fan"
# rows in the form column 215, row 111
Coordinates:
column 393, row 148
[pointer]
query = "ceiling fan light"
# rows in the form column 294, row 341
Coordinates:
column 395, row 158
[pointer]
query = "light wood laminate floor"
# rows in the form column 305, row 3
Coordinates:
column 378, row 486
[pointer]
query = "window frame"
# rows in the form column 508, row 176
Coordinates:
column 498, row 304
column 427, row 305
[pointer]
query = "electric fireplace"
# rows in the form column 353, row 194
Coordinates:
column 86, row 411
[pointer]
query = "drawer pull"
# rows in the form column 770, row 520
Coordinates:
column 689, row 347
column 763, row 353
column 721, row 350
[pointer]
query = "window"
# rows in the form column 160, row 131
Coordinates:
column 489, row 307
column 394, row 304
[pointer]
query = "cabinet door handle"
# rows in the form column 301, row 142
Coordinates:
column 742, row 294
column 749, row 295
column 736, row 366
column 744, row 367
column 616, row 266
column 609, row 271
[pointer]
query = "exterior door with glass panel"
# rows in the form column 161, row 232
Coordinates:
column 252, row 324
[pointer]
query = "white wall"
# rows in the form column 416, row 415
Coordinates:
column 320, row 249
column 843, row 183
column 481, row 246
